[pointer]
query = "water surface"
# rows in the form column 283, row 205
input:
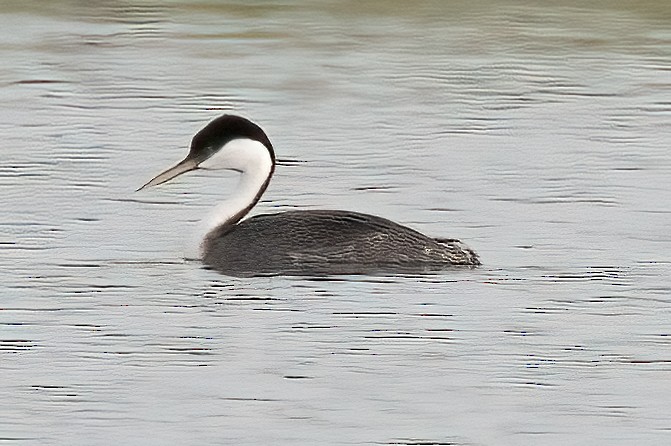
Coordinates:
column 537, row 134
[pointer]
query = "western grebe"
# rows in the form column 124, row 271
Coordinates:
column 314, row 242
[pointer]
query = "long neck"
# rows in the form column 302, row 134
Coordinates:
column 256, row 166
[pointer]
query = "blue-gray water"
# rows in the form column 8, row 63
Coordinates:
column 539, row 135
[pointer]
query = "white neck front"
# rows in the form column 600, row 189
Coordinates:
column 252, row 159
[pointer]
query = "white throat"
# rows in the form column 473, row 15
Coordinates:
column 252, row 159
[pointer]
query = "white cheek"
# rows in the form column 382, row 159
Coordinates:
column 220, row 160
column 237, row 154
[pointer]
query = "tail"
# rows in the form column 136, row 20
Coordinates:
column 460, row 254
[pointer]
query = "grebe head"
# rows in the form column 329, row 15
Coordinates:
column 227, row 142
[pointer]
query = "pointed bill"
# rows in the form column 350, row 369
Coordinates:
column 182, row 167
